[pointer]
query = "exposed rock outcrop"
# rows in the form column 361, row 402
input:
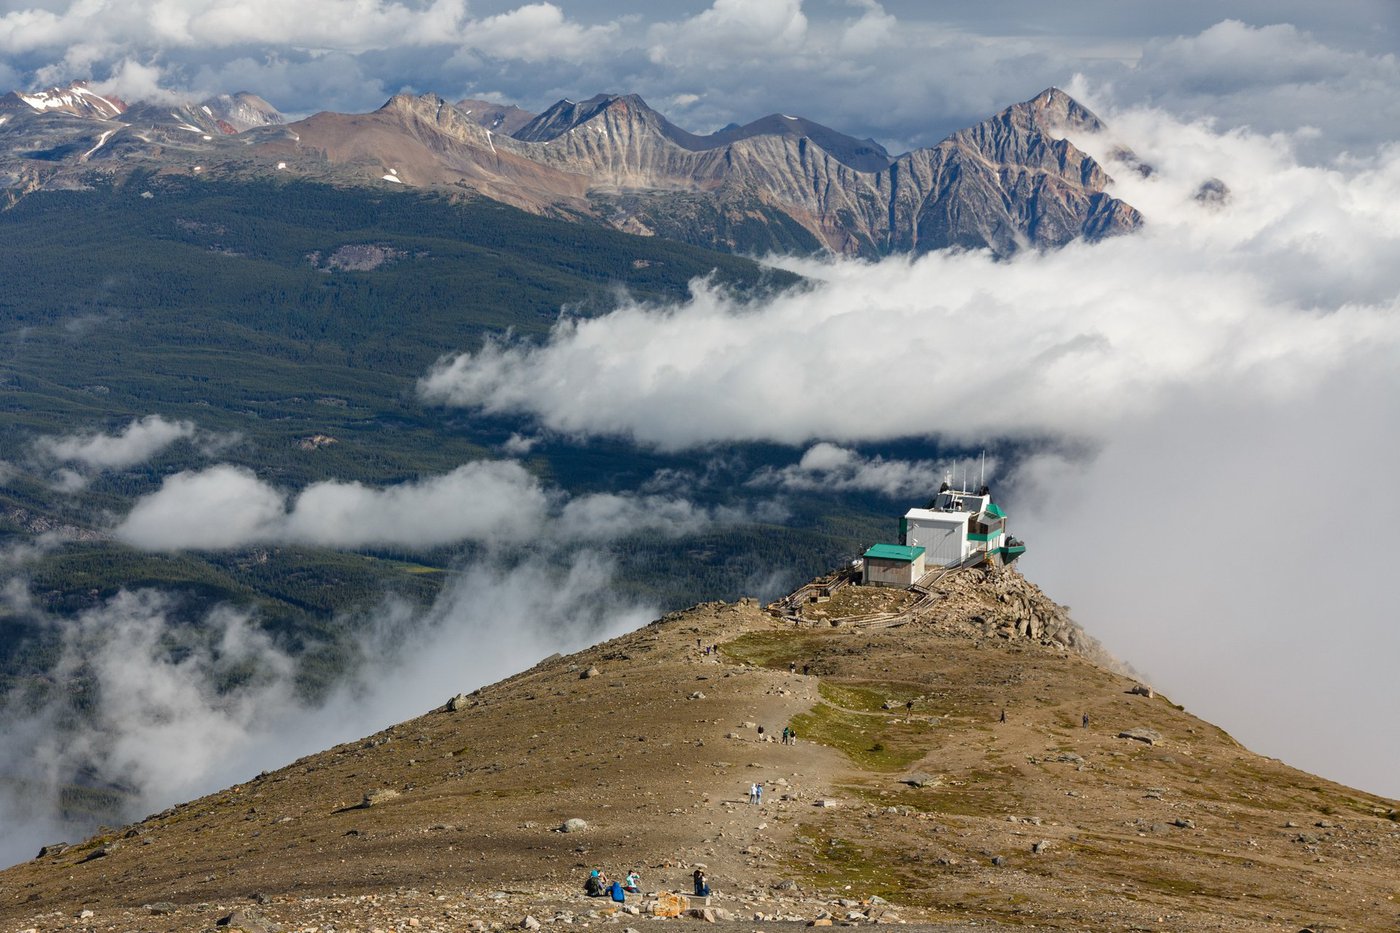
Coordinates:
column 1000, row 602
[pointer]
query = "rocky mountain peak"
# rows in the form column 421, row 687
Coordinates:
column 506, row 119
column 75, row 99
column 242, row 111
column 567, row 114
column 1052, row 108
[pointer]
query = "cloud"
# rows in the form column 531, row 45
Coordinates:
column 174, row 710
column 1184, row 414
column 727, row 27
column 907, row 76
column 139, row 441
column 829, row 467
column 1273, row 78
column 491, row 502
column 609, row 516
column 1263, row 297
column 219, row 507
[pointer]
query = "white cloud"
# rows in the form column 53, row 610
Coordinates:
column 139, row 441
column 161, row 726
column 539, row 32
column 219, row 507
column 1273, row 78
column 482, row 501
column 608, row 516
column 487, row 502
column 827, row 466
column 1227, row 375
column 906, row 79
column 1264, row 297
column 729, row 29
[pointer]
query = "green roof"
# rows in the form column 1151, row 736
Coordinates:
column 894, row 552
column 994, row 510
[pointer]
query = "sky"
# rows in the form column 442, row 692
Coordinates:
column 1204, row 411
column 905, row 73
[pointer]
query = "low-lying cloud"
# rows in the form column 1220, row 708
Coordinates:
column 139, row 441
column 1226, row 375
column 833, row 468
column 175, row 710
column 495, row 502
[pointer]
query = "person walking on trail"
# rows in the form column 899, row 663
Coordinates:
column 1086, row 720
column 1003, row 715
column 785, row 734
column 758, row 794
column 753, row 793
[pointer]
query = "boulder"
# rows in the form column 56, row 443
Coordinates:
column 919, row 779
column 249, row 922
column 666, row 904
column 529, row 923
column 378, row 796
column 1139, row 734
column 591, row 672
column 458, row 703
column 573, row 825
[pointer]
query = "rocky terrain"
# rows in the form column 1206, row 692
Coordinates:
column 960, row 763
column 781, row 183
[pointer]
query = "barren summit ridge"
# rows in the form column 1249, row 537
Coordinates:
column 781, row 183
column 906, row 796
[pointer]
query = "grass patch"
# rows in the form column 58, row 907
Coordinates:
column 833, row 862
column 872, row 742
column 773, row 649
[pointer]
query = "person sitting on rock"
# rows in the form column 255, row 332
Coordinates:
column 616, row 893
column 633, row 884
column 593, row 887
column 702, row 887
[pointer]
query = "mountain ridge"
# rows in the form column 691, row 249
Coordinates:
column 780, row 183
column 941, row 773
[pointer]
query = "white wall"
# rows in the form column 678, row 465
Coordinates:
column 945, row 541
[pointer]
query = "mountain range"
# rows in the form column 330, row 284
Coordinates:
column 780, row 183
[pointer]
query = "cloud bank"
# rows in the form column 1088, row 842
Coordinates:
column 495, row 502
column 1223, row 383
column 178, row 710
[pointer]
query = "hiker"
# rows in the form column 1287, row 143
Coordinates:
column 616, row 892
column 805, row 669
column 593, row 887
column 702, row 887
column 909, row 707
column 792, row 736
column 792, row 667
column 633, row 884
column 753, row 793
column 758, row 794
column 785, row 734
column 1003, row 715
column 1086, row 720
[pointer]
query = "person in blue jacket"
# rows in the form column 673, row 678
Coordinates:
column 702, row 887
